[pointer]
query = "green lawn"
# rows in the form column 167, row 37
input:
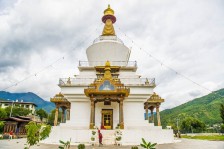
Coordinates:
column 211, row 138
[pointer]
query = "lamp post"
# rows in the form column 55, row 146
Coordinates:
column 11, row 109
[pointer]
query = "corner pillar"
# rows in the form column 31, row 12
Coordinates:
column 152, row 115
column 158, row 115
column 63, row 115
column 121, row 113
column 56, row 117
column 91, row 126
column 68, row 114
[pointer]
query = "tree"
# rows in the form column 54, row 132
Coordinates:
column 222, row 128
column 190, row 124
column 1, row 126
column 36, row 132
column 222, row 112
column 3, row 113
column 17, row 111
column 41, row 113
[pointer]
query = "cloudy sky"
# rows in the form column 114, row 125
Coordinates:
column 185, row 35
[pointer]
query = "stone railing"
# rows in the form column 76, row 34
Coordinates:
column 138, row 81
column 125, row 81
column 75, row 81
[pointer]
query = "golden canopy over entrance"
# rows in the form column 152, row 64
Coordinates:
column 107, row 88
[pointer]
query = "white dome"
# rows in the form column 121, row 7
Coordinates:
column 108, row 48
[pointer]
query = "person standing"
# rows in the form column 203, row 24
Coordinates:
column 100, row 138
column 10, row 134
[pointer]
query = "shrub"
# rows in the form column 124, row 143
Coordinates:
column 65, row 145
column 36, row 132
column 81, row 146
column 118, row 138
column 93, row 132
column 92, row 138
column 148, row 145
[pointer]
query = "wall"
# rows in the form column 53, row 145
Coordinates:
column 80, row 114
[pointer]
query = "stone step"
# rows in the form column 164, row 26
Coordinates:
column 108, row 137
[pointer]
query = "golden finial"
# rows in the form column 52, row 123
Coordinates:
column 107, row 64
column 108, row 11
column 108, row 19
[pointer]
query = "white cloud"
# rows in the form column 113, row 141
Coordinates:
column 186, row 35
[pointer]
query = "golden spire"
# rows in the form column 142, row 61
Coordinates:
column 107, row 73
column 108, row 19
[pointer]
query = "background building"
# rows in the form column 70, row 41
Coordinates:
column 28, row 105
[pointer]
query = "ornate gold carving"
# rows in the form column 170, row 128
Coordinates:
column 60, row 101
column 155, row 99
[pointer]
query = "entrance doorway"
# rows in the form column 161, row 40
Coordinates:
column 107, row 118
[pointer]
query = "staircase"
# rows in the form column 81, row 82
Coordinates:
column 108, row 137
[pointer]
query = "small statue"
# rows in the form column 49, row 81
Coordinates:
column 69, row 81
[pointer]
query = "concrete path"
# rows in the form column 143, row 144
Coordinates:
column 184, row 144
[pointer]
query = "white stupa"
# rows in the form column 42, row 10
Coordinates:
column 109, row 95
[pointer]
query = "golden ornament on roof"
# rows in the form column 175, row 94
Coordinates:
column 108, row 11
column 107, row 64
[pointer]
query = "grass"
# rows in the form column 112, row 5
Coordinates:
column 211, row 138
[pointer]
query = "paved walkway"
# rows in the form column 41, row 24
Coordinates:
column 184, row 144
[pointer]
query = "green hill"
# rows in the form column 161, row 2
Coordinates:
column 28, row 97
column 206, row 109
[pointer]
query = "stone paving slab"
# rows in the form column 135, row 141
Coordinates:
column 184, row 144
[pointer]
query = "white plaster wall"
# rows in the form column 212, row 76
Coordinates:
column 144, row 90
column 151, row 134
column 127, row 74
column 129, row 137
column 80, row 114
column 134, row 114
column 84, row 73
column 107, row 50
column 73, row 89
column 98, row 108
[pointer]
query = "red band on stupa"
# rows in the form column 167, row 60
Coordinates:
column 112, row 18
